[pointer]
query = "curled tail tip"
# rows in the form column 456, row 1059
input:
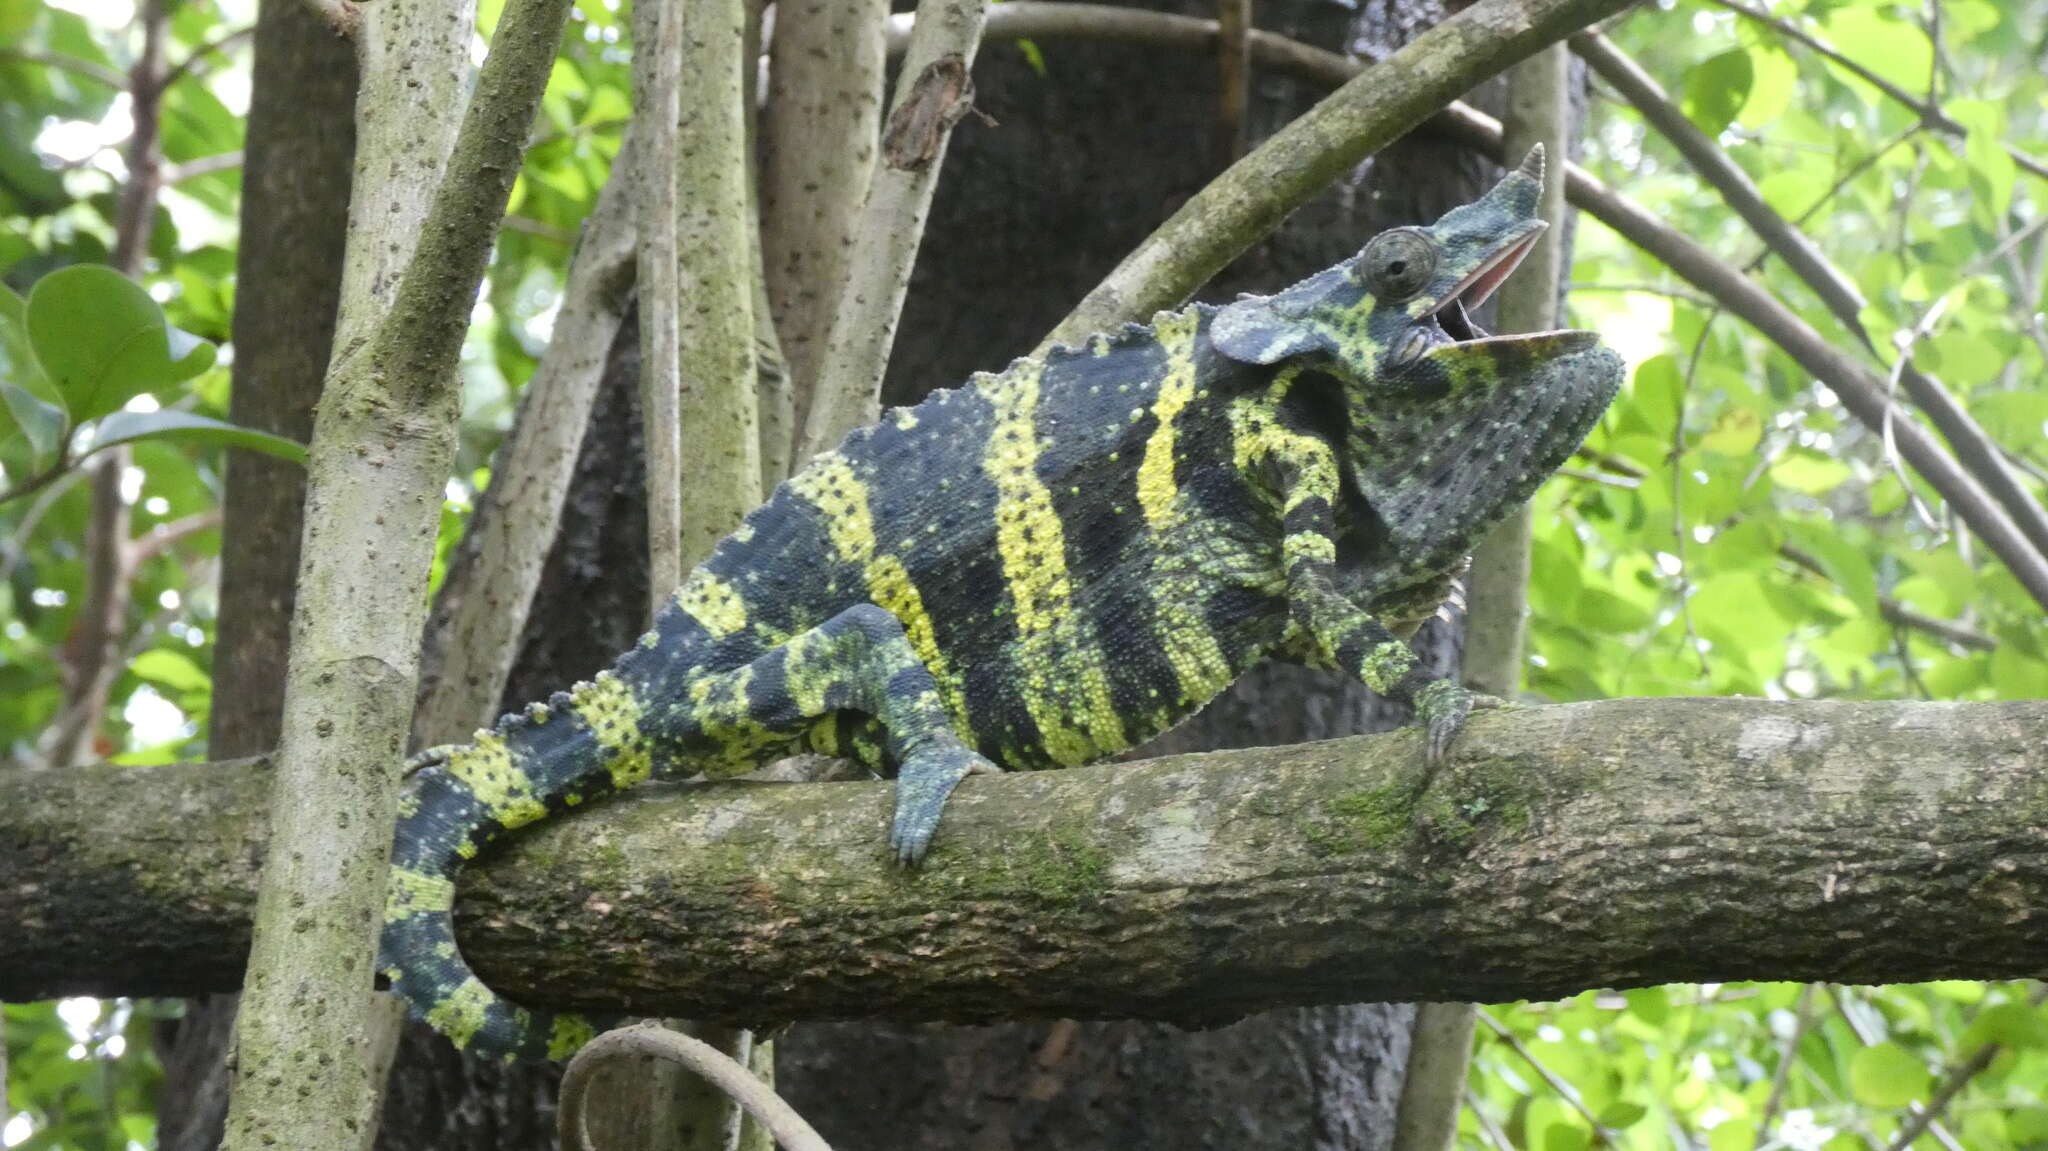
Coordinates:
column 424, row 967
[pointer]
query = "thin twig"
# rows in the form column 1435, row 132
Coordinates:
column 192, row 60
column 1694, row 298
column 1565, row 1091
column 1865, row 1036
column 1488, row 1127
column 1678, row 474
column 1898, row 614
column 1952, row 1084
column 1233, row 79
column 527, row 225
column 16, row 547
column 645, row 1041
column 165, row 536
column 1604, row 479
column 202, row 166
column 1802, row 1019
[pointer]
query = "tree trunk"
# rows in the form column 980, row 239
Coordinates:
column 588, row 607
column 299, row 156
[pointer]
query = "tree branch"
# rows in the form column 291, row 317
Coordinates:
column 1604, row 844
column 932, row 93
column 1237, row 208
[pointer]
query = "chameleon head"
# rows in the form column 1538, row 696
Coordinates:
column 1447, row 427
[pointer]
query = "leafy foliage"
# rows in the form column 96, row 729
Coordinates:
column 1729, row 528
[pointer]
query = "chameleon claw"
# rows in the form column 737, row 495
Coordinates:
column 1442, row 706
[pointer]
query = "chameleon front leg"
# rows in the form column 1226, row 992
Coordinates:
column 857, row 661
column 1346, row 635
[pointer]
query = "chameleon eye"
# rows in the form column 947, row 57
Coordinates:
column 1399, row 263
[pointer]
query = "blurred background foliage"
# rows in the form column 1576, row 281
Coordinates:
column 1728, row 529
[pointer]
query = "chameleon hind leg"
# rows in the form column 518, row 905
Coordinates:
column 857, row 661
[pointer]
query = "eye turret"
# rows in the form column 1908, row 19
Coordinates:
column 1399, row 263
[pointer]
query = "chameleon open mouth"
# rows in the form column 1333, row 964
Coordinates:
column 1455, row 316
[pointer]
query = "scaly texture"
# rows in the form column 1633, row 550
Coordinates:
column 1053, row 564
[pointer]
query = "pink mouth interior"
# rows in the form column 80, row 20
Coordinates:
column 1481, row 284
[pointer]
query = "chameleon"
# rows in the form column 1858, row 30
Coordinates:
column 1054, row 563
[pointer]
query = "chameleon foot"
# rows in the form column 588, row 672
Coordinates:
column 1442, row 706
column 922, row 785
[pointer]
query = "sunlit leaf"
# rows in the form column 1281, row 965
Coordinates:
column 1887, row 1075
column 102, row 341
column 1716, row 89
column 171, row 669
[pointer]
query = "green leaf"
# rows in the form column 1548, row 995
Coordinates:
column 1887, row 1075
column 1774, row 77
column 1894, row 49
column 184, row 427
column 171, row 669
column 1992, row 171
column 102, row 341
column 1716, row 89
column 1805, row 470
column 41, row 424
column 1736, row 433
column 23, row 388
column 1622, row 1113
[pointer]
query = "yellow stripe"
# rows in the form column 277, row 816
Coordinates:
column 1156, row 489
column 1182, row 632
column 1028, row 532
column 831, row 486
column 1061, row 674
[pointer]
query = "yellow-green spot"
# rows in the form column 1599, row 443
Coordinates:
column 460, row 1014
column 613, row 716
column 713, row 603
column 413, row 893
column 486, row 768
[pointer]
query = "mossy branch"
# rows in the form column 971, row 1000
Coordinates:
column 1603, row 844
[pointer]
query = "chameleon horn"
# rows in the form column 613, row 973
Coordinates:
column 1532, row 164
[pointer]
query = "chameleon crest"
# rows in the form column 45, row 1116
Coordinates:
column 1052, row 564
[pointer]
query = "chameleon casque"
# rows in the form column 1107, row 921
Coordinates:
column 1054, row 563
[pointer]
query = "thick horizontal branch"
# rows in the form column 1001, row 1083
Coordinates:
column 1606, row 844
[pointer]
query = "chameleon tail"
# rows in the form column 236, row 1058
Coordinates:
column 578, row 746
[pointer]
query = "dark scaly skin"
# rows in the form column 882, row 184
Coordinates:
column 1053, row 564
